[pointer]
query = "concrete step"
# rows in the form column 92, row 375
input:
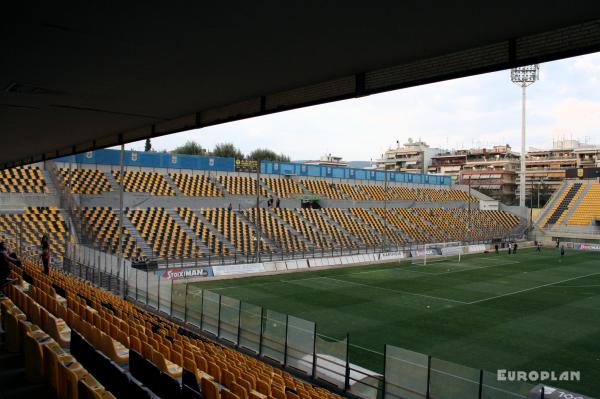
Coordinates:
column 354, row 239
column 274, row 246
column 216, row 232
column 550, row 204
column 179, row 220
column 135, row 234
column 219, row 186
column 323, row 234
column 171, row 183
column 111, row 179
column 52, row 189
column 580, row 195
column 390, row 225
column 416, row 227
column 291, row 230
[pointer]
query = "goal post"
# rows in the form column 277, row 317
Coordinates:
column 431, row 254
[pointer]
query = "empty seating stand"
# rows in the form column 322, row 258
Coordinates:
column 352, row 226
column 240, row 185
column 195, row 185
column 588, row 209
column 310, row 234
column 282, row 187
column 134, row 353
column 378, row 224
column 336, row 235
column 322, row 188
column 84, row 181
column 563, row 204
column 33, row 324
column 239, row 234
column 163, row 234
column 35, row 222
column 100, row 224
column 22, row 180
column 203, row 232
column 276, row 231
column 144, row 182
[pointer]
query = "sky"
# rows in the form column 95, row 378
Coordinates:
column 482, row 110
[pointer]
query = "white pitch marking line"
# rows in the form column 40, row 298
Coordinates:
column 467, row 268
column 405, row 269
column 399, row 291
column 532, row 288
column 242, row 286
column 577, row 286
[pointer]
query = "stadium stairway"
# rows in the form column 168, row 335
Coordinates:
column 270, row 192
column 111, row 180
column 354, row 237
column 358, row 240
column 365, row 224
column 404, row 214
column 305, row 191
column 292, row 230
column 232, row 249
column 185, row 227
column 73, row 222
column 175, row 187
column 49, row 181
column 135, row 234
column 550, row 205
column 390, row 225
column 571, row 205
column 564, row 204
column 275, row 246
column 333, row 227
column 575, row 203
column 220, row 187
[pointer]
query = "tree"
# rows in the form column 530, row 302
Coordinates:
column 148, row 146
column 227, row 150
column 264, row 154
column 190, row 148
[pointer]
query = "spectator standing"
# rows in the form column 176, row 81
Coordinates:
column 562, row 251
column 509, row 248
column 230, row 207
column 496, row 248
column 515, row 248
column 277, row 203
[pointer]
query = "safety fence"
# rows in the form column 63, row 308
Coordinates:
column 283, row 255
column 298, row 346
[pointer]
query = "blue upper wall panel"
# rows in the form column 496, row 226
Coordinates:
column 292, row 168
column 152, row 160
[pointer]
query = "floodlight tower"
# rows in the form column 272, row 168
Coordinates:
column 524, row 76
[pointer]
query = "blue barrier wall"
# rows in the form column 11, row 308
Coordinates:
column 291, row 168
column 175, row 161
column 152, row 160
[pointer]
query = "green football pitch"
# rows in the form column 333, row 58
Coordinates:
column 529, row 311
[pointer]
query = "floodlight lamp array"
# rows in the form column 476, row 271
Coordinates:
column 525, row 75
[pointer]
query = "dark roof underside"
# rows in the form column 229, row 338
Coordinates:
column 95, row 75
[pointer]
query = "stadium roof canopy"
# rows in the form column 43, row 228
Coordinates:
column 96, row 74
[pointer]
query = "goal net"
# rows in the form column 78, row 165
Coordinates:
column 433, row 255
